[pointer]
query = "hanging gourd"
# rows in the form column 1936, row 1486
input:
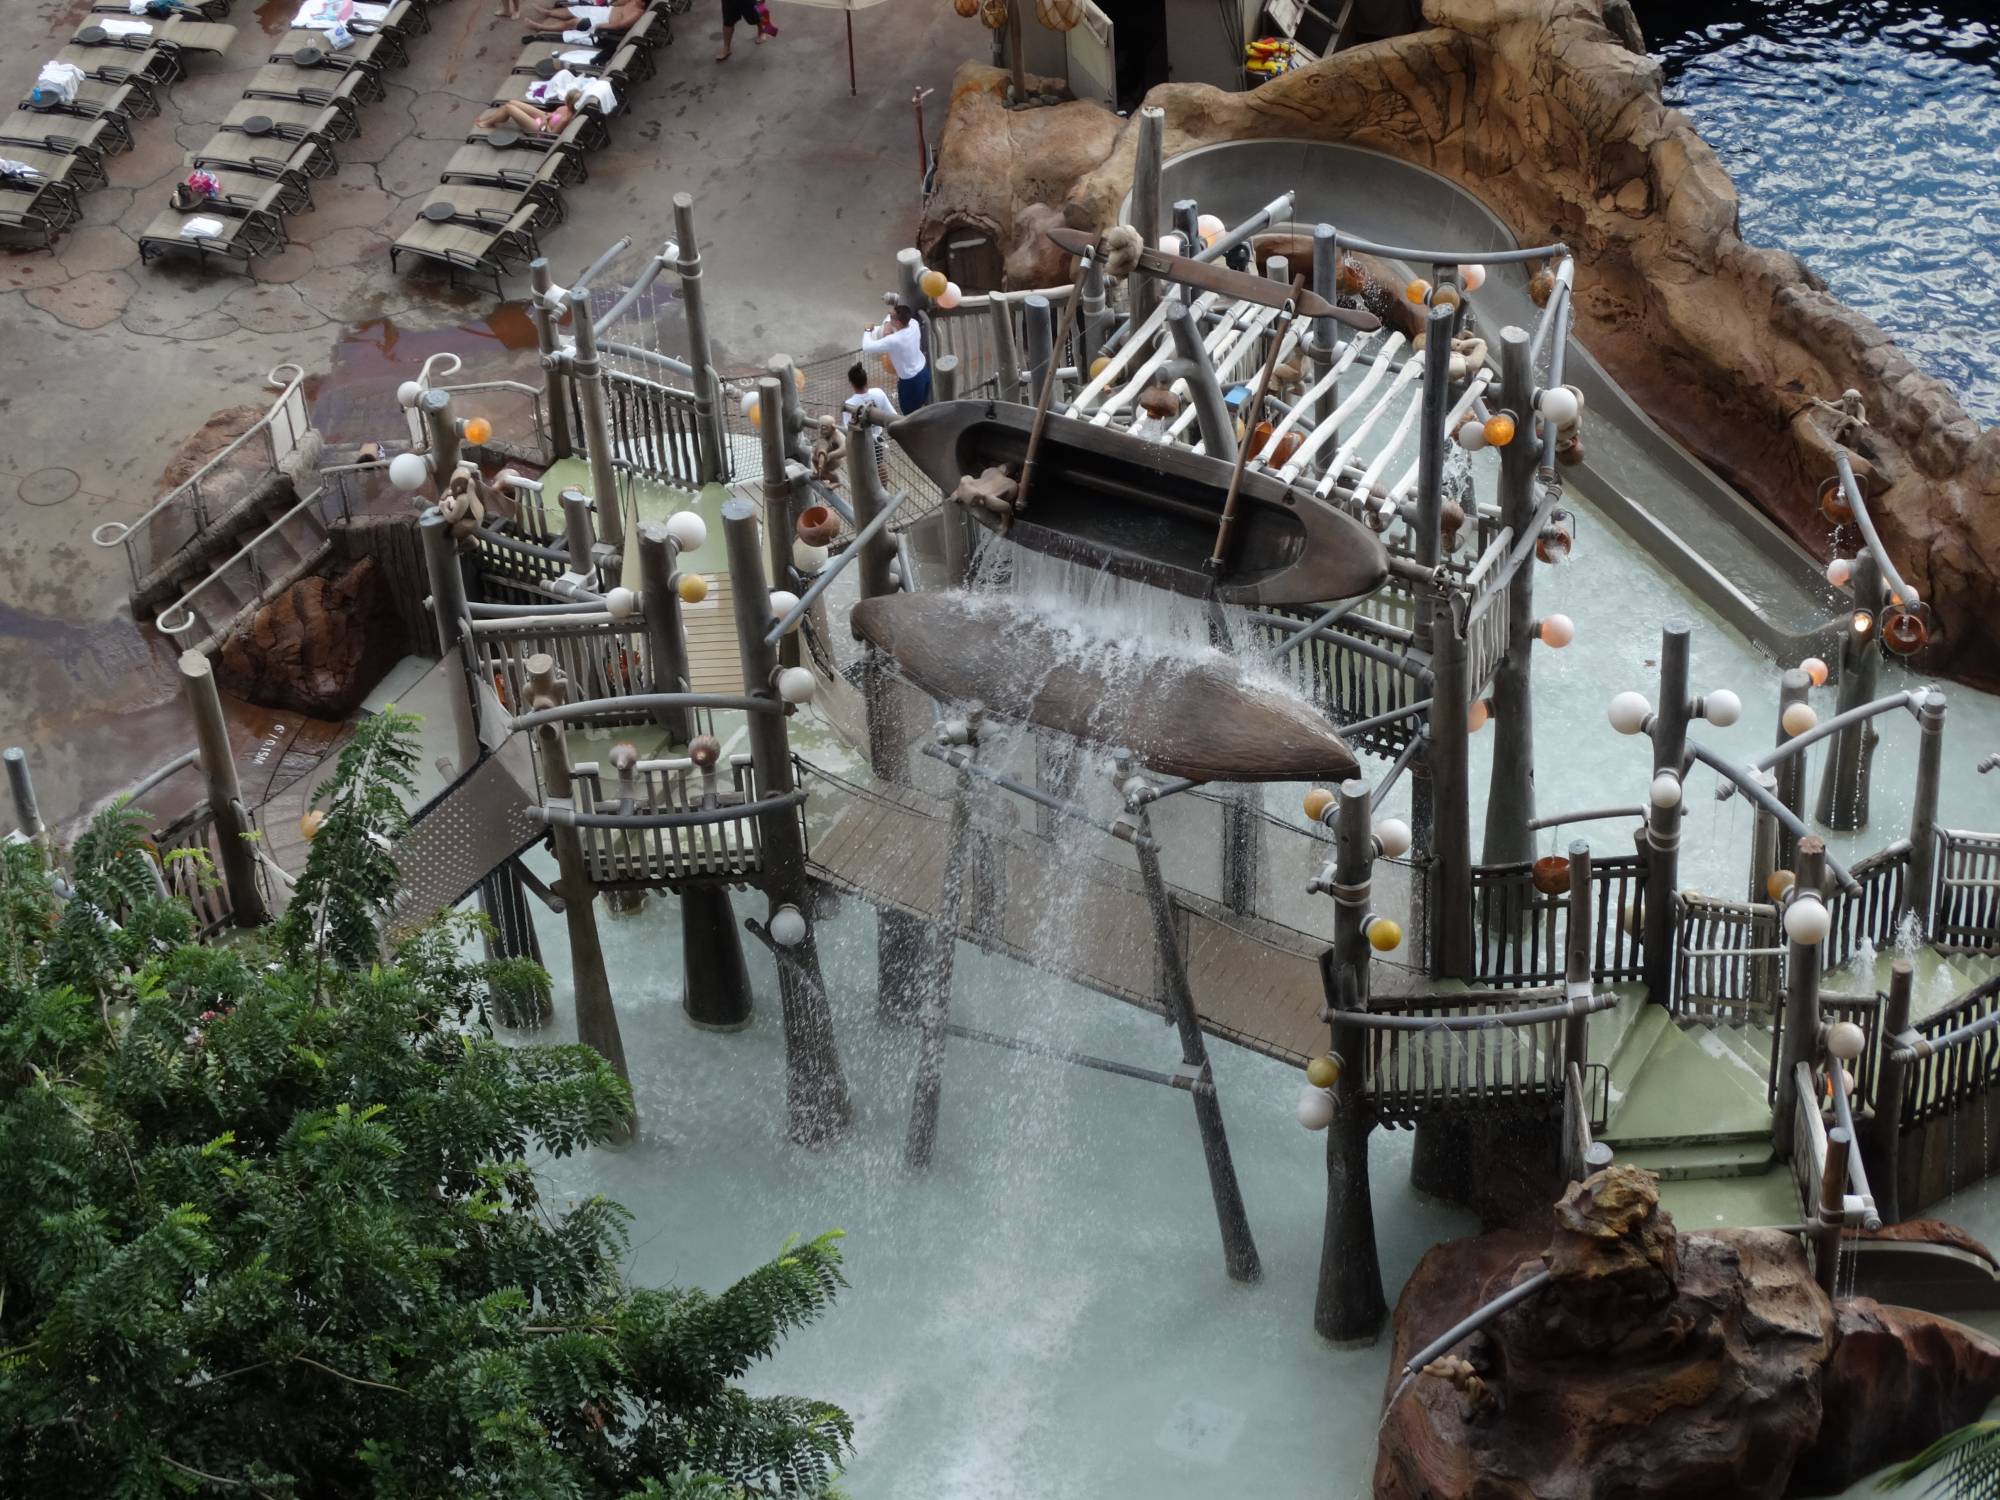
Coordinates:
column 993, row 13
column 966, row 8
column 1058, row 15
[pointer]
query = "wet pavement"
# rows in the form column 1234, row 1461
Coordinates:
column 803, row 196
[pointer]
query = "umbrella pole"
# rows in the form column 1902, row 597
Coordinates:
column 851, row 90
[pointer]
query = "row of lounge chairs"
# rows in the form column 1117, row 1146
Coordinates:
column 504, row 186
column 82, row 108
column 280, row 137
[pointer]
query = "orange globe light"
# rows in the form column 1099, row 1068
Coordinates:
column 1477, row 715
column 692, row 587
column 1499, row 429
column 1384, row 936
column 311, row 823
column 1418, row 291
column 1780, row 884
column 933, row 283
column 1318, row 801
column 1445, row 296
column 1815, row 669
column 477, row 429
column 1099, row 365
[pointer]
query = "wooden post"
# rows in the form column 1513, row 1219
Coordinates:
column 1349, row 1306
column 934, row 1013
column 1918, row 894
column 1006, row 350
column 816, row 1101
column 503, row 897
column 1832, row 1212
column 1510, row 801
column 589, row 377
column 1885, row 1170
column 1663, row 824
column 778, row 501
column 944, row 377
column 441, row 428
column 1144, row 291
column 1802, row 970
column 596, row 1016
column 1792, row 688
column 1211, row 410
column 666, row 634
column 1581, row 948
column 1428, row 539
column 1450, row 915
column 1239, row 1250
column 1038, row 322
column 449, row 615
column 707, row 392
column 786, row 373
column 717, row 981
column 27, row 811
column 1843, row 785
column 1764, row 831
column 1242, row 846
column 233, row 829
column 1326, row 331
column 579, row 536
column 555, row 384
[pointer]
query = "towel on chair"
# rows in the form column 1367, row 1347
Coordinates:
column 20, row 171
column 582, row 35
column 583, row 56
column 61, row 78
column 126, row 28
column 202, row 227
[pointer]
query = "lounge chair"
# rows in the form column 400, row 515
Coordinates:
column 283, row 193
column 43, row 206
column 347, row 92
column 374, row 54
column 55, row 156
column 115, row 130
column 290, row 120
column 535, row 164
column 248, row 231
column 267, row 156
column 98, row 137
column 146, row 57
column 473, row 247
column 654, row 28
column 491, row 205
column 176, row 34
column 114, row 92
column 621, row 70
column 204, row 10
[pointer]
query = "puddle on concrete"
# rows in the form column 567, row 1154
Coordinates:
column 356, row 400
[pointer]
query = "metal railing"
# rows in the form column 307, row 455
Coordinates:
column 178, row 517
column 1728, row 962
column 1948, row 1072
column 603, row 659
column 243, row 579
column 1520, row 933
column 729, row 849
column 1967, row 909
column 655, row 429
column 1409, row 1075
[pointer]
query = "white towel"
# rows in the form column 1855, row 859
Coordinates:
column 582, row 56
column 201, row 227
column 580, row 35
column 126, row 28
column 374, row 13
column 64, row 79
column 137, row 7
column 320, row 15
column 552, row 89
column 19, row 170
column 597, row 91
column 596, row 15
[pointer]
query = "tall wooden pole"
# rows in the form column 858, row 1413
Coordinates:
column 1663, row 824
column 233, row 830
column 1510, row 802
column 1801, row 1026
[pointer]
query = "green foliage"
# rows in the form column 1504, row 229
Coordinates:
column 267, row 1224
column 1963, row 1464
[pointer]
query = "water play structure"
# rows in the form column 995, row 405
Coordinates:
column 628, row 630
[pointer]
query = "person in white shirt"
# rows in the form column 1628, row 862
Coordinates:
column 866, row 395
column 901, row 338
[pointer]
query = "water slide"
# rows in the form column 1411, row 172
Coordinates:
column 1739, row 564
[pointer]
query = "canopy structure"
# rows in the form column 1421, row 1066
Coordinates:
column 849, row 6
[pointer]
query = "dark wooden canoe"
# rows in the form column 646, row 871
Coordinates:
column 1179, row 718
column 1148, row 510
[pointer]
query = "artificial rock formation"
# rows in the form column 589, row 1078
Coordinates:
column 1661, row 1364
column 318, row 647
column 1549, row 117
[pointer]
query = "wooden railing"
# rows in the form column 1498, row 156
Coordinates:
column 1864, row 1011
column 1350, row 685
column 1870, row 915
column 202, row 888
column 601, row 658
column 1966, row 914
column 1520, row 933
column 1948, row 1080
column 655, row 429
column 729, row 850
column 1728, row 963
column 518, row 570
column 1410, row 1075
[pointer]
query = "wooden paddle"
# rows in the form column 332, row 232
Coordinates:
column 1219, row 558
column 1049, row 379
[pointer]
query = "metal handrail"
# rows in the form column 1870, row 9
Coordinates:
column 569, row 818
column 1899, row 591
column 1588, row 815
column 160, row 620
column 646, row 703
column 1581, row 1002
column 115, row 533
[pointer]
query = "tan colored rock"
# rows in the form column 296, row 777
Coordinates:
column 318, row 647
column 1559, row 127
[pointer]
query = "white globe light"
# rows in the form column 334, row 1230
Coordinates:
column 807, row 558
column 788, row 927
column 797, row 685
column 1472, row 436
column 1559, row 406
column 620, row 603
column 1557, row 631
column 1474, row 276
column 408, row 394
column 750, row 403
column 1170, row 244
column 949, row 297
column 1807, row 921
column 408, row 471
column 783, row 602
column 1315, row 1108
column 1393, row 834
column 1666, row 790
column 1798, row 718
column 1816, row 669
column 1722, row 708
column 1209, row 227
column 687, row 529
column 1840, row 572
column 1628, row 712
column 1845, row 1040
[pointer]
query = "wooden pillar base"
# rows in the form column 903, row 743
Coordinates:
column 717, row 996
column 901, row 952
column 1350, row 1308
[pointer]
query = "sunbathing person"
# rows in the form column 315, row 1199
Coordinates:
column 530, row 120
column 617, row 16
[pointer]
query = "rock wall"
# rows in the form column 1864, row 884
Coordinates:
column 1549, row 118
column 318, row 647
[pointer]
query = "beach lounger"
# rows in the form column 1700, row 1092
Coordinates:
column 493, row 205
column 109, row 70
column 284, row 194
column 475, row 248
column 346, row 92
column 524, row 163
column 289, row 120
column 116, row 92
column 100, row 137
column 644, row 33
column 654, row 28
column 247, row 232
column 267, row 156
column 375, row 54
column 77, row 171
column 42, row 206
column 620, row 72
column 161, row 51
column 144, row 57
column 114, row 129
column 203, row 10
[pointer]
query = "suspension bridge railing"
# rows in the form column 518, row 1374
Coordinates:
column 1967, row 910
column 603, row 659
column 655, row 429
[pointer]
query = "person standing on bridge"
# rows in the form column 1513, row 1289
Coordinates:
column 901, row 337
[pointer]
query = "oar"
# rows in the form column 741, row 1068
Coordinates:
column 1219, row 558
column 1049, row 381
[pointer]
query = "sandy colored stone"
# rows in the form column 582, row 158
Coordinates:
column 1547, row 115
column 87, row 301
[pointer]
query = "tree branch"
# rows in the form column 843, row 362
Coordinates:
column 350, row 1379
column 234, row 1484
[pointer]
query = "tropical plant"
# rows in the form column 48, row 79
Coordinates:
column 1963, row 1464
column 268, row 1225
